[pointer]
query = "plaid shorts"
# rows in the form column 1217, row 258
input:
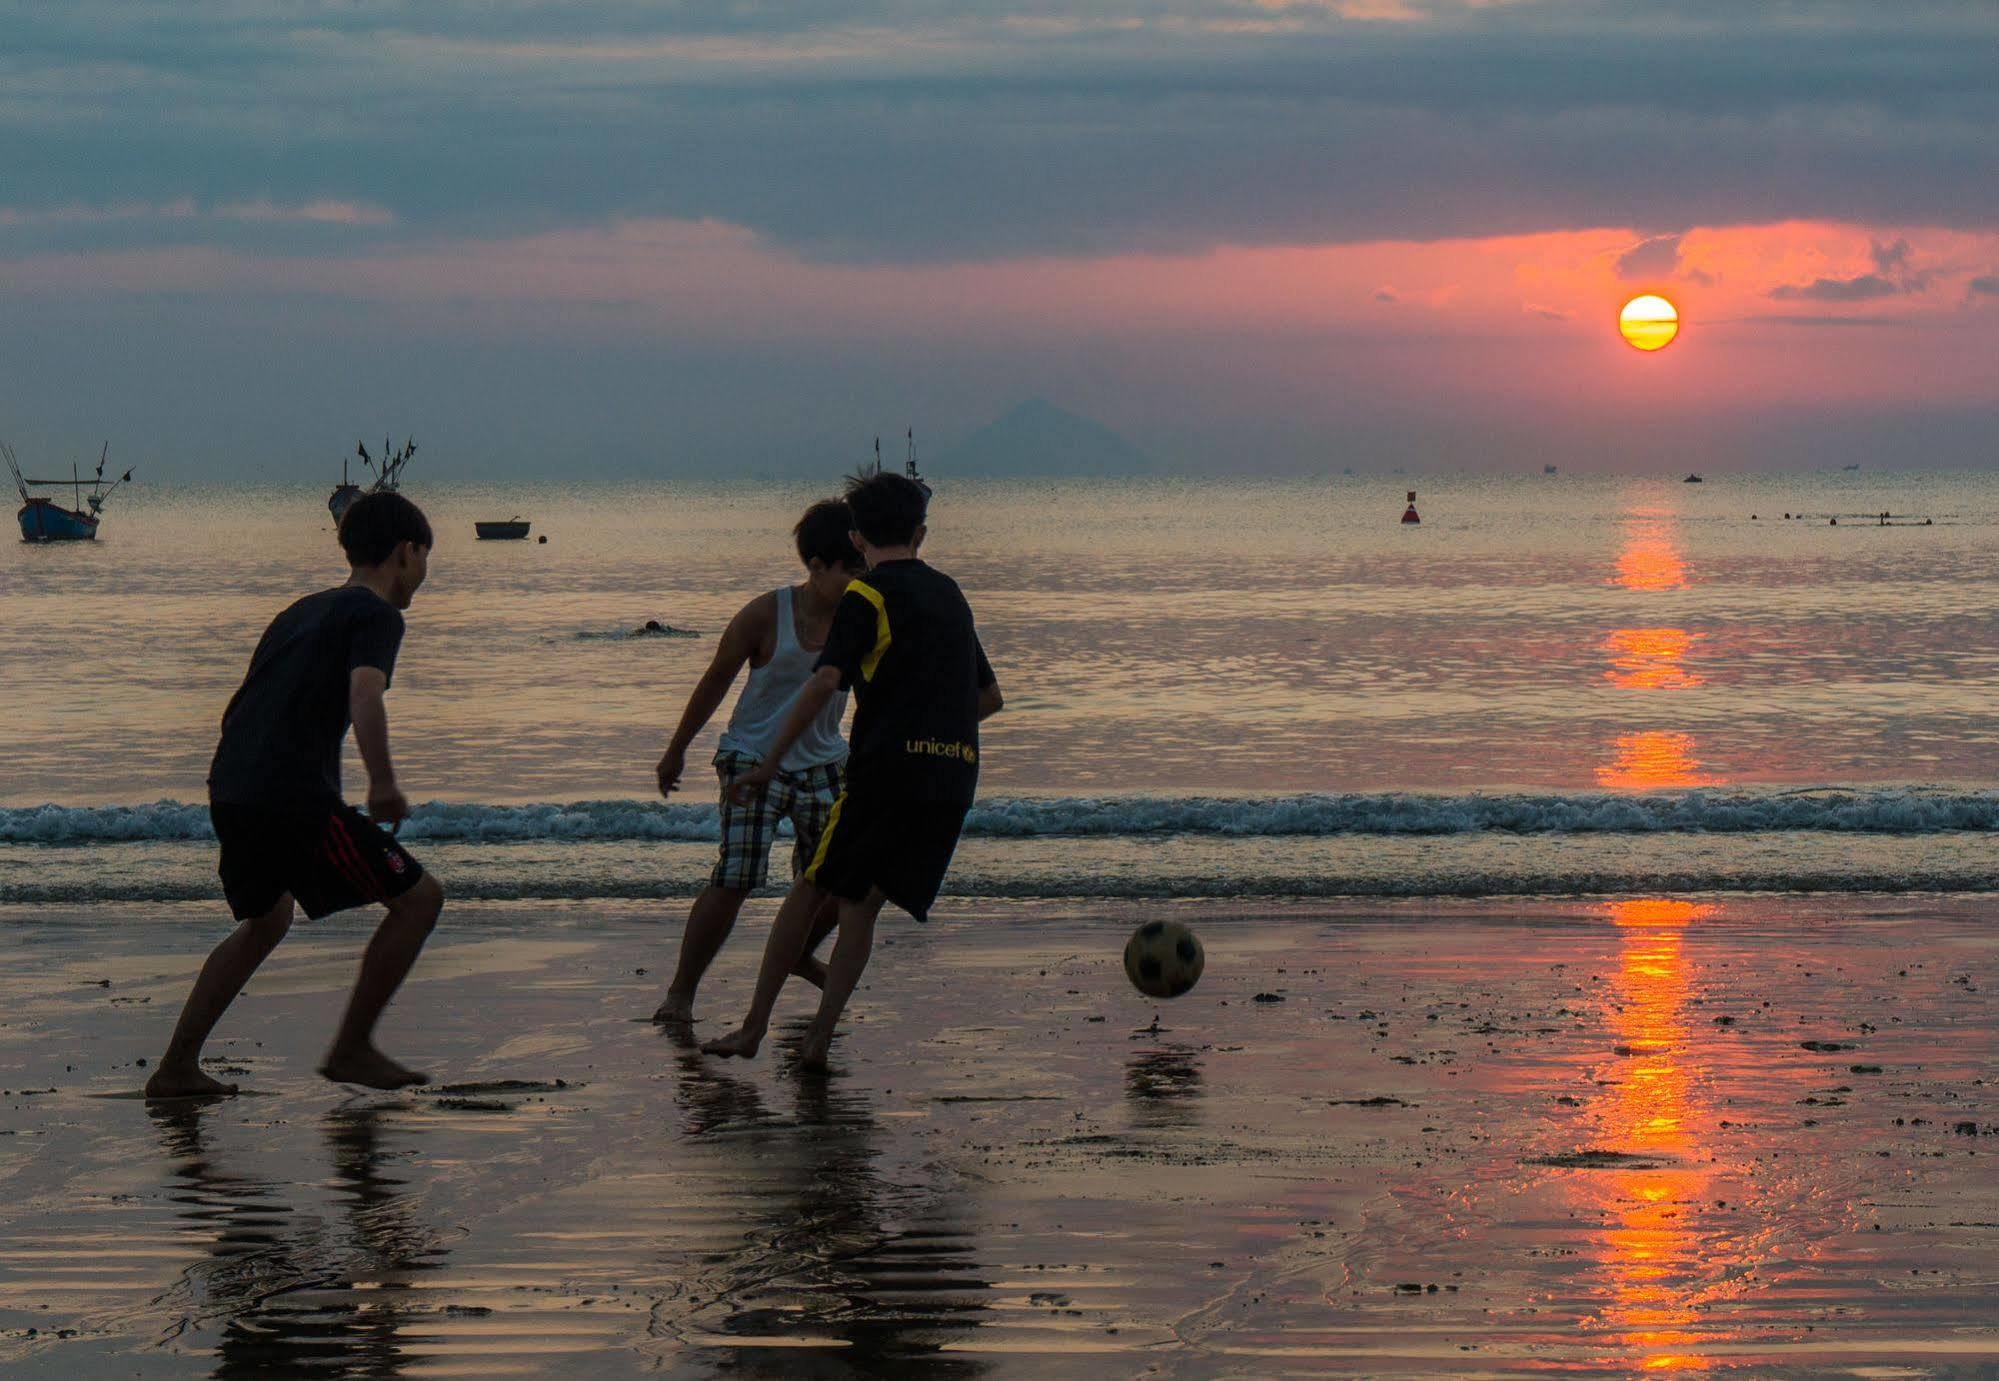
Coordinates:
column 805, row 798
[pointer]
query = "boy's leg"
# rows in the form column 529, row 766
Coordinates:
column 809, row 967
column 789, row 934
column 222, row 977
column 709, row 922
column 748, row 831
column 850, row 959
column 810, row 811
column 353, row 1058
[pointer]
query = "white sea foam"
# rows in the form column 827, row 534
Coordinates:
column 1898, row 810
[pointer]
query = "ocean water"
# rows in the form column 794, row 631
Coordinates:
column 1234, row 687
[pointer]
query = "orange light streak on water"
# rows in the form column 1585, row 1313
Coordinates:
column 1651, row 557
column 1651, row 659
column 1654, row 1261
column 1653, row 760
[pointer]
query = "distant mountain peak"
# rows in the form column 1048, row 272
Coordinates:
column 1035, row 437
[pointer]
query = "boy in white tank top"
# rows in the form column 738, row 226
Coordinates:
column 778, row 636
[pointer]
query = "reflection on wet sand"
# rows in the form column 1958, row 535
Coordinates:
column 1164, row 1087
column 283, row 1289
column 836, row 1253
column 1575, row 1137
column 1658, row 1268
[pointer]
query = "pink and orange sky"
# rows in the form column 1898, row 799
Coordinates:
column 1294, row 237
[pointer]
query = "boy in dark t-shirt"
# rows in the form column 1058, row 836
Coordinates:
column 903, row 642
column 274, row 796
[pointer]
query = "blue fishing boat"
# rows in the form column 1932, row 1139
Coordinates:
column 388, row 476
column 45, row 520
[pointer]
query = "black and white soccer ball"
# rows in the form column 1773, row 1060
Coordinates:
column 1163, row 959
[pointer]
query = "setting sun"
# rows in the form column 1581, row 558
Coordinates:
column 1649, row 322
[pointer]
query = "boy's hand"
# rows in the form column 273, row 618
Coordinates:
column 670, row 768
column 746, row 788
column 386, row 803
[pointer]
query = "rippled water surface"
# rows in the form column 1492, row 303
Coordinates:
column 1562, row 643
column 1179, row 637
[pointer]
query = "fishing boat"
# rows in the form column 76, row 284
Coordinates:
column 512, row 530
column 1693, row 479
column 388, row 476
column 908, row 462
column 45, row 520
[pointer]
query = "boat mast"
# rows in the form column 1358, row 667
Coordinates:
column 15, row 465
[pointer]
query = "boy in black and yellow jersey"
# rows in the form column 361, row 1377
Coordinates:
column 902, row 640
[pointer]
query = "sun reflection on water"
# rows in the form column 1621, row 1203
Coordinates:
column 1650, row 558
column 1654, row 759
column 1651, row 659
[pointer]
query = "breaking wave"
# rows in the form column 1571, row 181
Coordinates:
column 977, row 885
column 1892, row 811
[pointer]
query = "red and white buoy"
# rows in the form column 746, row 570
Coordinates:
column 1409, row 513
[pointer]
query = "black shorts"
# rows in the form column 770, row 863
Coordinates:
column 330, row 858
column 902, row 846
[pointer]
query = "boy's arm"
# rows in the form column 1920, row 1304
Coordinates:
column 812, row 698
column 738, row 644
column 365, row 687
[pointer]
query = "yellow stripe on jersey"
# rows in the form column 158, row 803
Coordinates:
column 811, row 873
column 874, row 597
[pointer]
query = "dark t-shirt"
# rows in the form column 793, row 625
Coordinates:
column 903, row 642
column 282, row 732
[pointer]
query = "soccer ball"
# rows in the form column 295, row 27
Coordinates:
column 1163, row 959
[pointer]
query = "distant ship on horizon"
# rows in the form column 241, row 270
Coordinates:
column 388, row 476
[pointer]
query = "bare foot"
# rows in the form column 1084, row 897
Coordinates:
column 369, row 1068
column 812, row 971
column 738, row 1042
column 169, row 1081
column 813, row 1048
column 677, row 1010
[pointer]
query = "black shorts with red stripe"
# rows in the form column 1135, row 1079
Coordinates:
column 329, row 857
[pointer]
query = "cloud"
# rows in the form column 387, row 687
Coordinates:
column 1894, row 275
column 1985, row 285
column 1864, row 287
column 320, row 212
column 1820, row 319
column 262, row 210
column 901, row 130
column 1654, row 259
column 1387, row 294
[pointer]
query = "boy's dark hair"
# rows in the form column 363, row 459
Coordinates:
column 822, row 532
column 887, row 508
column 376, row 524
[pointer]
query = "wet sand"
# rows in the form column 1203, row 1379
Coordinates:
column 1749, row 1135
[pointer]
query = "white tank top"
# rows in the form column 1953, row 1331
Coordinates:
column 761, row 709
